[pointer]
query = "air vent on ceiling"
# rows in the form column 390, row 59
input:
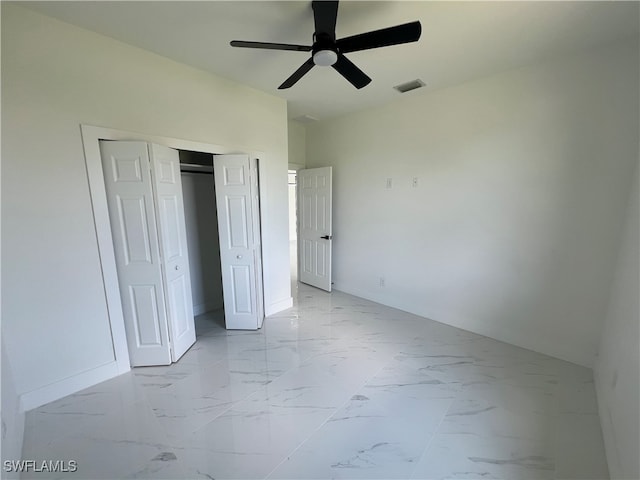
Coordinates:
column 412, row 85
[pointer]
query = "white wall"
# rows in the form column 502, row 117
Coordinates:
column 617, row 371
column 297, row 160
column 201, row 220
column 55, row 77
column 297, row 143
column 11, row 415
column 513, row 227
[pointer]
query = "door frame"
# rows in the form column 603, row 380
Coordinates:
column 295, row 167
column 91, row 136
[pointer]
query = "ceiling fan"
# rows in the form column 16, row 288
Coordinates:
column 327, row 51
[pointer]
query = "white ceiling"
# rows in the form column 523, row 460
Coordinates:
column 460, row 40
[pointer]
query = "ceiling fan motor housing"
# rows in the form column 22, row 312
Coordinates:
column 324, row 50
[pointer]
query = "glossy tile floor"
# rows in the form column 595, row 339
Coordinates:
column 336, row 387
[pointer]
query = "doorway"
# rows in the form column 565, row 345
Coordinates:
column 203, row 243
column 293, row 228
column 315, row 226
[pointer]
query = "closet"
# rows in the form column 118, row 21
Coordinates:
column 201, row 220
column 186, row 239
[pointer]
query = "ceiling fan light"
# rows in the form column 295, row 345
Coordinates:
column 325, row 58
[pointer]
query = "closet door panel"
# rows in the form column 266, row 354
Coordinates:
column 138, row 261
column 239, row 253
column 167, row 186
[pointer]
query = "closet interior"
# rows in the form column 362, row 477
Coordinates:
column 201, row 219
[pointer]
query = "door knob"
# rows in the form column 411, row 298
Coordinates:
column 238, row 257
column 327, row 237
column 177, row 267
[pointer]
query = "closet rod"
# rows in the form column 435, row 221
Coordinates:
column 196, row 168
column 196, row 172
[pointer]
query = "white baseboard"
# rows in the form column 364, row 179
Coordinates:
column 62, row 388
column 539, row 345
column 199, row 309
column 278, row 306
column 204, row 308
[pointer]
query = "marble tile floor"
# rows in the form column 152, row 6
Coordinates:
column 335, row 387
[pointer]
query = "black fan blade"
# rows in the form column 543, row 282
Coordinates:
column 324, row 16
column 406, row 33
column 270, row 46
column 297, row 75
column 353, row 74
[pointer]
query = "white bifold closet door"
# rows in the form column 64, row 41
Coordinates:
column 144, row 197
column 237, row 200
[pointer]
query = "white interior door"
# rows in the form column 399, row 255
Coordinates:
column 165, row 174
column 127, row 176
column 315, row 230
column 240, row 256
